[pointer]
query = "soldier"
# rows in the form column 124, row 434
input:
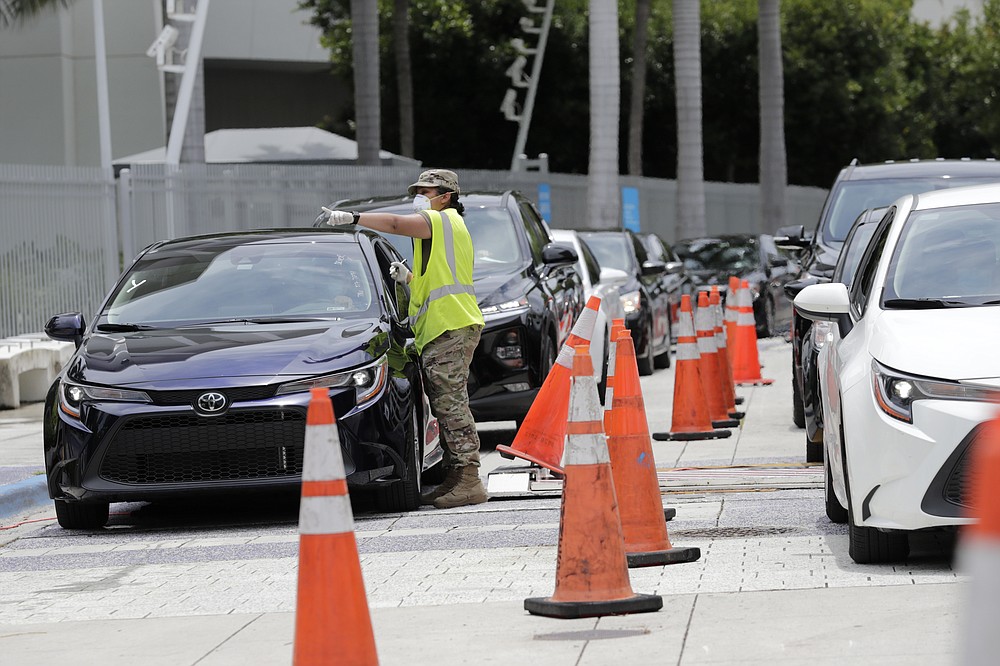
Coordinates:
column 445, row 316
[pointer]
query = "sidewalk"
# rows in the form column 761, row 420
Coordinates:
column 754, row 598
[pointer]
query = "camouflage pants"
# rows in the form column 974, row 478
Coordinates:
column 446, row 361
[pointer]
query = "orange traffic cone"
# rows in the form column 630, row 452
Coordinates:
column 540, row 438
column 617, row 326
column 690, row 419
column 725, row 369
column 332, row 622
column 634, row 471
column 731, row 314
column 591, row 569
column 979, row 549
column 708, row 364
column 746, row 363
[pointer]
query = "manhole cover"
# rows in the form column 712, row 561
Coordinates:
column 735, row 532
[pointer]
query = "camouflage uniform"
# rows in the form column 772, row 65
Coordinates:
column 446, row 361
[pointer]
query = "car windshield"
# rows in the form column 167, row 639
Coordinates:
column 730, row 255
column 854, row 196
column 611, row 249
column 853, row 250
column 946, row 257
column 494, row 239
column 214, row 282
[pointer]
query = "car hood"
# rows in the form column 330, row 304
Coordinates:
column 500, row 288
column 954, row 344
column 233, row 354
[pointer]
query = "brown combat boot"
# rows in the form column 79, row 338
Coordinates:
column 468, row 490
column 451, row 477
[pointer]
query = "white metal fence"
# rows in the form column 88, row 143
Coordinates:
column 66, row 232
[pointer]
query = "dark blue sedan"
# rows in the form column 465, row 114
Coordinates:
column 194, row 376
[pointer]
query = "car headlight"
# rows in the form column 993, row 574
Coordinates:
column 822, row 333
column 72, row 396
column 895, row 392
column 367, row 381
column 631, row 302
column 506, row 307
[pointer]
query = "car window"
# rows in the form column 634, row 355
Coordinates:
column 495, row 240
column 851, row 197
column 260, row 280
column 611, row 249
column 733, row 255
column 640, row 250
column 399, row 294
column 538, row 236
column 947, row 253
column 854, row 249
column 655, row 249
column 865, row 280
column 590, row 263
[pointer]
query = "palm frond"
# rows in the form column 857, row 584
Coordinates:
column 18, row 12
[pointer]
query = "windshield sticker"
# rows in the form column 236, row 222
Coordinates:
column 135, row 285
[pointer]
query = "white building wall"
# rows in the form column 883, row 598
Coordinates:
column 48, row 75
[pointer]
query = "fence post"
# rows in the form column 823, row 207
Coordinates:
column 126, row 241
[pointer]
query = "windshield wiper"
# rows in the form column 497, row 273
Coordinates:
column 925, row 303
column 257, row 320
column 122, row 328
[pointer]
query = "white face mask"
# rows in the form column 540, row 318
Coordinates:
column 421, row 202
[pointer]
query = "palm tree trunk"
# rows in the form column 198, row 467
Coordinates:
column 690, row 161
column 603, row 196
column 773, row 165
column 637, row 102
column 368, row 114
column 404, row 78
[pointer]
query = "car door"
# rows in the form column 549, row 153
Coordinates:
column 780, row 271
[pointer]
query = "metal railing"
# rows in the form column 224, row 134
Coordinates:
column 67, row 232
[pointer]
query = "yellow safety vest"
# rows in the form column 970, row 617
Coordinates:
column 441, row 294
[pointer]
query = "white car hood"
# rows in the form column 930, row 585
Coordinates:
column 954, row 343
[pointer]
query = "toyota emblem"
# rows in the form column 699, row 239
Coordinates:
column 211, row 402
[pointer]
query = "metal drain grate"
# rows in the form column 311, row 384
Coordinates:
column 735, row 532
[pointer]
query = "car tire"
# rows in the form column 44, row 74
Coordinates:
column 798, row 411
column 663, row 360
column 834, row 510
column 647, row 362
column 814, row 450
column 404, row 494
column 82, row 516
column 602, row 386
column 766, row 329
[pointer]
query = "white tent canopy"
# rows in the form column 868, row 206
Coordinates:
column 273, row 144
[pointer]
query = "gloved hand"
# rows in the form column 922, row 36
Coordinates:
column 399, row 272
column 335, row 218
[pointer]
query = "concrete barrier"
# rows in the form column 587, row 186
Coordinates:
column 28, row 366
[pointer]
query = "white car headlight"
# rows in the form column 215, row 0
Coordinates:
column 506, row 307
column 630, row 301
column 895, row 392
column 367, row 380
column 73, row 395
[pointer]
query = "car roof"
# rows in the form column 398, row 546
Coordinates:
column 958, row 196
column 290, row 235
column 917, row 168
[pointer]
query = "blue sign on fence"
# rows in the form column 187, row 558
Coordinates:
column 545, row 201
column 630, row 208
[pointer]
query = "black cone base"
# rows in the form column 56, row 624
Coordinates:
column 755, row 382
column 669, row 514
column 737, row 415
column 726, row 423
column 689, row 436
column 660, row 557
column 568, row 610
column 739, row 400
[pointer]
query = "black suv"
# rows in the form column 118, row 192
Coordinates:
column 527, row 287
column 859, row 187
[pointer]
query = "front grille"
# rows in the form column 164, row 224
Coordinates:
column 957, row 485
column 188, row 397
column 184, row 448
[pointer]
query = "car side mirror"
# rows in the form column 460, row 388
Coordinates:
column 675, row 267
column 555, row 254
column 651, row 267
column 67, row 327
column 826, row 302
column 792, row 238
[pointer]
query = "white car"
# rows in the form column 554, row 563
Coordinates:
column 603, row 283
column 911, row 370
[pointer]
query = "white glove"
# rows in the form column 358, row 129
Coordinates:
column 399, row 272
column 335, row 218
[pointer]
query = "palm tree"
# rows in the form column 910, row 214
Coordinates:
column 13, row 12
column 603, row 196
column 773, row 165
column 364, row 49
column 404, row 77
column 637, row 103
column 690, row 160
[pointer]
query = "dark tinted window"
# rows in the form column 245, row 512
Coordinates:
column 611, row 249
column 862, row 287
column 538, row 237
column 734, row 255
column 854, row 249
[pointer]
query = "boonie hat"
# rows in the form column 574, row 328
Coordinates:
column 436, row 178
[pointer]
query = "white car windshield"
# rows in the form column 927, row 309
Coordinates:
column 947, row 257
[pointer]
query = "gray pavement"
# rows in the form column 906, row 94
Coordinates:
column 774, row 583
